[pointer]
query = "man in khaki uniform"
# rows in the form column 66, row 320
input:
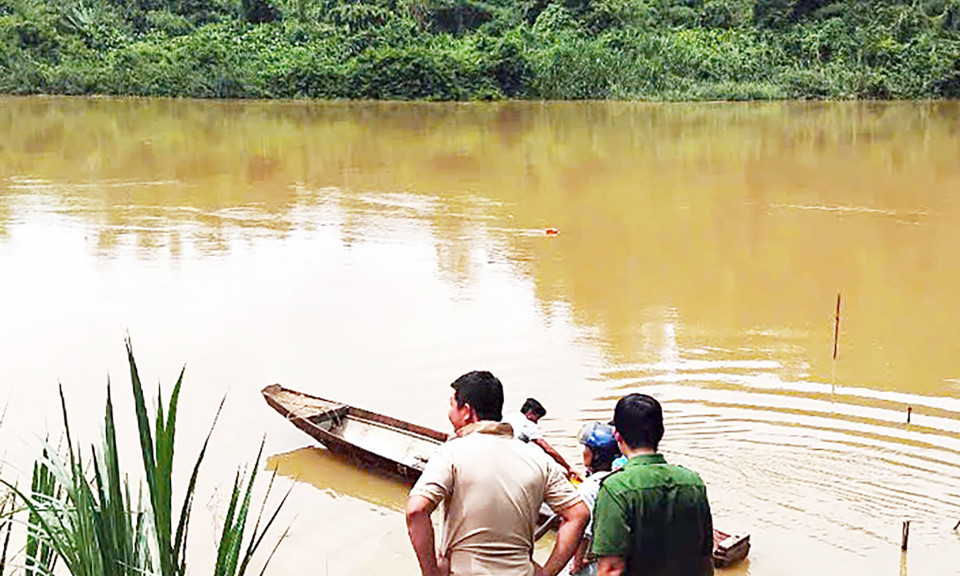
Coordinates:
column 492, row 487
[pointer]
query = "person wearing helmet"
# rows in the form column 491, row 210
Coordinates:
column 599, row 451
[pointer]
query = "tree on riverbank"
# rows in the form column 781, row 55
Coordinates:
column 483, row 49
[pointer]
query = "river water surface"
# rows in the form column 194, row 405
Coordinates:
column 374, row 252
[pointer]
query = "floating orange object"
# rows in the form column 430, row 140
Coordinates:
column 551, row 231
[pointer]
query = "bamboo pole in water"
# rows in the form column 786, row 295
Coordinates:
column 836, row 328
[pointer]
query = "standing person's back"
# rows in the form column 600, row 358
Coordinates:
column 651, row 518
column 491, row 515
column 491, row 488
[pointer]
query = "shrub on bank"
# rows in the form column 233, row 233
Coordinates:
column 481, row 49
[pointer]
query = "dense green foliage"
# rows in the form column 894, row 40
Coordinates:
column 483, row 49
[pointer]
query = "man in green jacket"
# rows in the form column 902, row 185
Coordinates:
column 651, row 518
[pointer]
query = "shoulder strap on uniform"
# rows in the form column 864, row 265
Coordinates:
column 610, row 475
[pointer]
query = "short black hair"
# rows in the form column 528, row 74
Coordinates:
column 603, row 458
column 531, row 405
column 638, row 419
column 482, row 391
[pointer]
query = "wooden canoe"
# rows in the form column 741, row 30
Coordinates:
column 402, row 449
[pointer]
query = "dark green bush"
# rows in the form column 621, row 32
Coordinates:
column 258, row 11
column 804, row 84
column 681, row 17
column 555, row 18
column 950, row 17
column 511, row 67
column 354, row 18
column 605, row 15
column 403, row 74
column 783, row 13
column 574, row 69
column 458, row 16
column 168, row 23
column 726, row 13
column 197, row 12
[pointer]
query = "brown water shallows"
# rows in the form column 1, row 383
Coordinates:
column 373, row 252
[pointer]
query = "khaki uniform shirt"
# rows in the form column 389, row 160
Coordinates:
column 491, row 487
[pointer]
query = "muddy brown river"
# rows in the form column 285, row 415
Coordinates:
column 373, row 252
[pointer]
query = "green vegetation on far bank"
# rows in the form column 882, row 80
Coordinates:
column 483, row 49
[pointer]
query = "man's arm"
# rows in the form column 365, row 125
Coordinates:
column 611, row 566
column 556, row 456
column 612, row 531
column 420, row 529
column 580, row 556
column 573, row 521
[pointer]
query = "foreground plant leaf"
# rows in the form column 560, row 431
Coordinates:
column 87, row 518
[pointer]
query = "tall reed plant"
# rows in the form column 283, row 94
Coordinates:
column 87, row 517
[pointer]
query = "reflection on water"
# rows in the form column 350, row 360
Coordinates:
column 374, row 251
column 775, row 207
column 339, row 478
column 327, row 471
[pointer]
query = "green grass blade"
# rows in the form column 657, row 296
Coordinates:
column 159, row 495
column 274, row 549
column 256, row 539
column 6, row 514
column 181, row 536
column 233, row 564
column 143, row 421
column 38, row 550
column 228, row 536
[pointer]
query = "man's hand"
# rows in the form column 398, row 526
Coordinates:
column 579, row 557
column 611, row 566
column 573, row 521
column 443, row 565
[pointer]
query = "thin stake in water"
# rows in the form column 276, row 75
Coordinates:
column 836, row 328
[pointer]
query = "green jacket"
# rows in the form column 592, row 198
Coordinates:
column 655, row 516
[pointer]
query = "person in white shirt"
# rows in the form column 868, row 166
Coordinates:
column 525, row 428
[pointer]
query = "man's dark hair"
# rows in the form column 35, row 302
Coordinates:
column 603, row 458
column 531, row 405
column 482, row 391
column 638, row 419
